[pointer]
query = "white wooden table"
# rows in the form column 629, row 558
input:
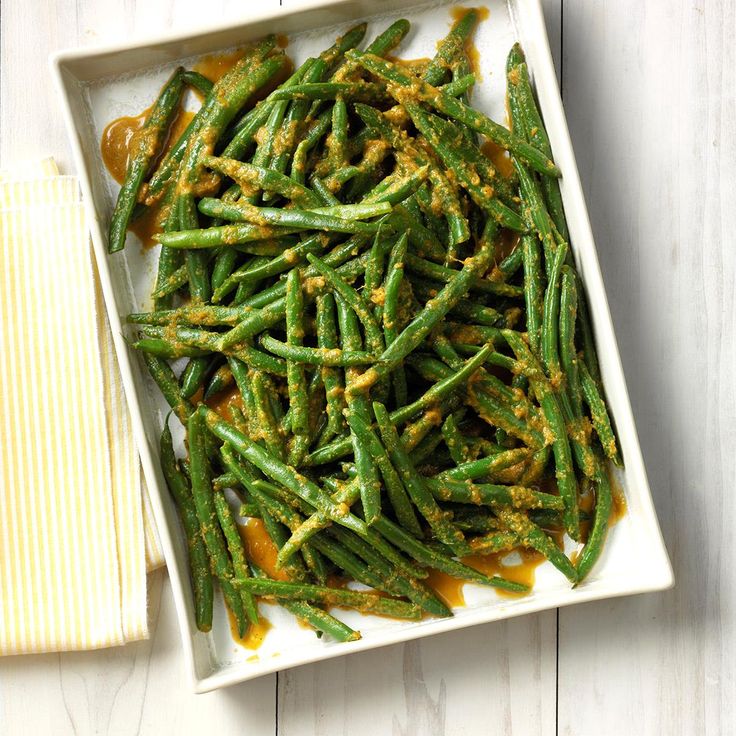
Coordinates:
column 650, row 94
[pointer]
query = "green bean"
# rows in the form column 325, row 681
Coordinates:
column 165, row 349
column 398, row 189
column 394, row 487
column 450, row 48
column 251, row 177
column 465, row 309
column 198, row 81
column 293, row 219
column 357, row 405
column 568, row 353
column 415, row 432
column 333, row 357
column 392, row 580
column 192, row 378
column 281, row 473
column 374, row 335
column 389, row 219
column 267, row 421
column 253, row 273
column 434, row 310
column 332, row 379
column 599, row 415
column 472, row 469
column 199, row 316
column 171, row 162
column 319, row 520
column 391, row 287
column 436, row 272
column 144, row 146
column 405, row 88
column 355, row 92
column 293, row 569
column 456, row 444
column 170, row 285
column 532, row 536
column 597, row 535
column 494, row 543
column 228, row 95
column 398, row 140
column 237, row 552
column 483, row 196
column 169, row 386
column 207, row 515
column 223, row 266
column 488, row 494
column 199, row 564
column 323, row 191
column 416, row 485
column 224, row 235
column 551, row 317
column 317, row 618
column 511, row 264
column 519, row 88
column 296, row 378
column 455, row 136
column 432, row 396
column 427, row 556
column 364, row 602
column 401, row 566
column 564, row 471
column 533, row 291
column 537, row 213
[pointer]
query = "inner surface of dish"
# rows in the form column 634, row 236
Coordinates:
column 367, row 318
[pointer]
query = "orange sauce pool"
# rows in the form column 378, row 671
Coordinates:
column 262, row 551
column 520, row 572
column 115, row 149
column 255, row 634
column 221, row 403
column 259, row 548
column 498, row 157
column 458, row 13
column 586, row 502
column 618, row 507
column 215, row 66
column 450, row 590
column 413, row 65
column 115, row 143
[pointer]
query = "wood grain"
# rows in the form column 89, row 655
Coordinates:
column 139, row 688
column 649, row 94
column 500, row 675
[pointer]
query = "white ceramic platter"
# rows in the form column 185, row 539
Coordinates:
column 100, row 85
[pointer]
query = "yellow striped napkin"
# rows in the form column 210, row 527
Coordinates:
column 76, row 535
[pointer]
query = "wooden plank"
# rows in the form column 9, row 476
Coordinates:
column 649, row 94
column 139, row 688
column 496, row 678
column 142, row 687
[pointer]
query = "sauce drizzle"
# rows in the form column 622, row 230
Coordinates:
column 458, row 13
column 115, row 150
column 254, row 636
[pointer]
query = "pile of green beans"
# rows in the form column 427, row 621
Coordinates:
column 405, row 390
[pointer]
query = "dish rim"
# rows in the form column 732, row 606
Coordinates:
column 63, row 64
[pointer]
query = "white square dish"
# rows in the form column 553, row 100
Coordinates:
column 100, row 85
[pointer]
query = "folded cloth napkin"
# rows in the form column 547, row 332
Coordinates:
column 76, row 532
